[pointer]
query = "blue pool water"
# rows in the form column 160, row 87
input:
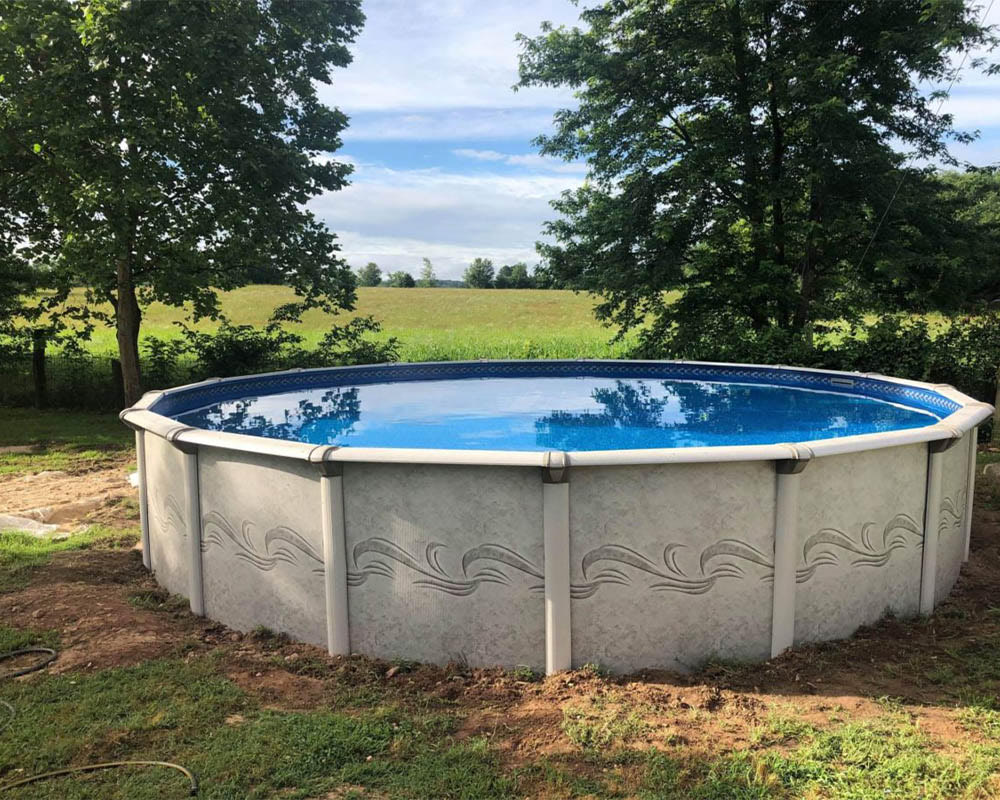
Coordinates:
column 555, row 413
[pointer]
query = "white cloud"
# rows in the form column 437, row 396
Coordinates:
column 396, row 217
column 531, row 160
column 415, row 55
column 479, row 155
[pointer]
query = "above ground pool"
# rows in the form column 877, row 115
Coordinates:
column 556, row 513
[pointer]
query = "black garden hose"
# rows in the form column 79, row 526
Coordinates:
column 50, row 656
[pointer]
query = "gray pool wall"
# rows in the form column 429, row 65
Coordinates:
column 627, row 559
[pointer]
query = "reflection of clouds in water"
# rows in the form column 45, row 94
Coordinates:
column 555, row 413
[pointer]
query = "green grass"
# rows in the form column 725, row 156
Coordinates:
column 888, row 757
column 62, row 440
column 431, row 324
column 184, row 711
column 21, row 553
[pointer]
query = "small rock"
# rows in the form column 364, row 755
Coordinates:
column 292, row 657
column 49, row 473
column 38, row 614
column 992, row 469
column 25, row 524
column 369, row 758
column 235, row 637
column 392, row 672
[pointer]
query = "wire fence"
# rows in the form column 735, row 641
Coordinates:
column 80, row 381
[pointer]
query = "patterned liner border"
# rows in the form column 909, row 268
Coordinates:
column 180, row 400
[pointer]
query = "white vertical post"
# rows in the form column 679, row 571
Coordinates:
column 786, row 530
column 932, row 519
column 140, row 461
column 192, row 496
column 555, row 524
column 970, row 491
column 338, row 636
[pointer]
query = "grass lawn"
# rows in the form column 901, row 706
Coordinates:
column 906, row 709
column 431, row 324
column 57, row 440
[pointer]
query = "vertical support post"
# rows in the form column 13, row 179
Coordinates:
column 786, row 530
column 970, row 490
column 192, row 498
column 38, row 368
column 932, row 519
column 338, row 635
column 140, row 461
column 555, row 524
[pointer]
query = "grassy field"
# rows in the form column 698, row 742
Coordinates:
column 431, row 324
column 905, row 709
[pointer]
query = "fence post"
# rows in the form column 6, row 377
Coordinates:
column 38, row 367
column 118, row 381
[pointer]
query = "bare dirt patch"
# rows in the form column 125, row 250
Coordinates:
column 72, row 499
column 84, row 596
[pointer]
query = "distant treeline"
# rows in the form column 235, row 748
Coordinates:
column 480, row 274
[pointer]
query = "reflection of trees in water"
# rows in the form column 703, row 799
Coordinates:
column 715, row 409
column 338, row 409
column 628, row 406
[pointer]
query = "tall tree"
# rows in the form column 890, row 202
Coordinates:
column 401, row 280
column 479, row 274
column 370, row 275
column 427, row 277
column 740, row 153
column 169, row 149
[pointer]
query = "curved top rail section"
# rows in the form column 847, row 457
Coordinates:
column 957, row 412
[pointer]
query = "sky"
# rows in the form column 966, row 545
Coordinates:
column 441, row 144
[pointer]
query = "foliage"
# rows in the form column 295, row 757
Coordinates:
column 370, row 275
column 479, row 274
column 244, row 349
column 401, row 280
column 427, row 277
column 166, row 150
column 513, row 276
column 743, row 153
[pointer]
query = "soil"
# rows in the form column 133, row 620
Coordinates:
column 72, row 499
column 89, row 598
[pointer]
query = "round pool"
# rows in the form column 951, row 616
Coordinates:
column 554, row 513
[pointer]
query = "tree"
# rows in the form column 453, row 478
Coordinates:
column 427, row 278
column 370, row 275
column 401, row 280
column 741, row 155
column 479, row 274
column 168, row 150
column 513, row 276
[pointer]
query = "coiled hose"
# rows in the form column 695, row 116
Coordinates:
column 50, row 656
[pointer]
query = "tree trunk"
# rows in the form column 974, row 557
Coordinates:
column 807, row 289
column 127, row 318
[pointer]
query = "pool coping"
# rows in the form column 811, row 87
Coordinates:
column 968, row 415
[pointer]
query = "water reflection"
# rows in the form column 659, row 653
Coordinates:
column 555, row 414
column 691, row 414
column 338, row 409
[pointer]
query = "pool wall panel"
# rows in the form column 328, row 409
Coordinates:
column 262, row 552
column 445, row 563
column 671, row 564
column 167, row 512
column 951, row 522
column 860, row 540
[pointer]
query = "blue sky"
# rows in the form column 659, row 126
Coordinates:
column 444, row 166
